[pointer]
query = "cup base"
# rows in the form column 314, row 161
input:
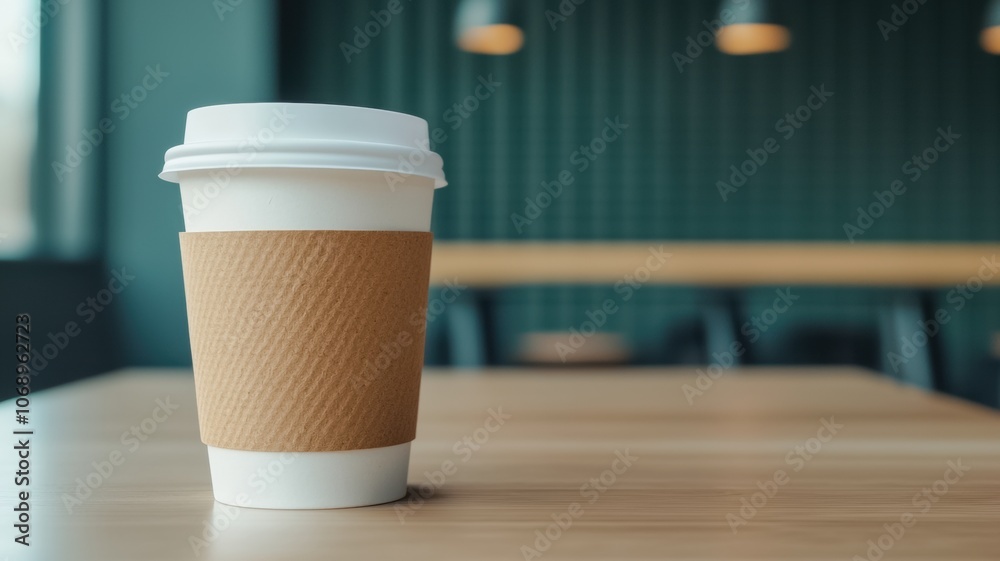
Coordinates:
column 309, row 480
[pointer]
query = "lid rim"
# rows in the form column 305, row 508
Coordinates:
column 173, row 175
column 379, row 144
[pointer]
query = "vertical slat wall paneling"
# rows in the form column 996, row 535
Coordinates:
column 912, row 134
column 797, row 152
column 884, row 144
column 484, row 124
column 588, row 76
column 859, row 71
column 952, row 100
column 923, row 72
column 825, row 127
column 463, row 152
column 394, row 41
column 501, row 161
column 725, row 129
column 941, row 105
column 359, row 79
column 936, row 106
column 687, row 128
column 600, row 223
column 691, row 121
column 611, row 162
column 791, row 76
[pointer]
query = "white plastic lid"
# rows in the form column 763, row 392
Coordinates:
column 304, row 135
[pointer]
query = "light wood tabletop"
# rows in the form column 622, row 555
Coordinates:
column 715, row 264
column 618, row 464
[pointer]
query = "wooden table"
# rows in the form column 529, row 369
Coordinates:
column 713, row 264
column 689, row 468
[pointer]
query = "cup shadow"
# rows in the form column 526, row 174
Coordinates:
column 422, row 495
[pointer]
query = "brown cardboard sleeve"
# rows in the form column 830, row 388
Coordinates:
column 306, row 340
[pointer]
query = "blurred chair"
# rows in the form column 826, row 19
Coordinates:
column 904, row 353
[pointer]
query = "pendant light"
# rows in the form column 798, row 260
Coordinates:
column 989, row 38
column 751, row 28
column 488, row 27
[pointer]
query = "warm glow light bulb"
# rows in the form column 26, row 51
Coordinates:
column 753, row 38
column 990, row 39
column 497, row 39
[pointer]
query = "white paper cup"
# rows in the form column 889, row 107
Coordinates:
column 285, row 166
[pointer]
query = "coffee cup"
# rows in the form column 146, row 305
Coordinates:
column 306, row 255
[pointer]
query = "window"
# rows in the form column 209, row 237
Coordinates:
column 19, row 67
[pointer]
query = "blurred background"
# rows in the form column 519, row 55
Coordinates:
column 650, row 106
